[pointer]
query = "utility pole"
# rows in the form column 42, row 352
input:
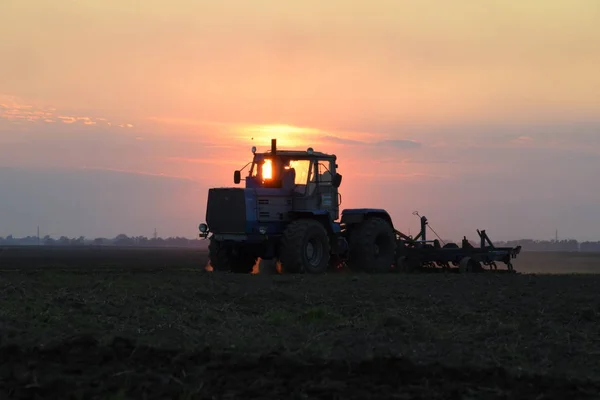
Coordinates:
column 38, row 235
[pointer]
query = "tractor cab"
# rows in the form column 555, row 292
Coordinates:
column 308, row 177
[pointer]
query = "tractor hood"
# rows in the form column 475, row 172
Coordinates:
column 228, row 209
column 247, row 211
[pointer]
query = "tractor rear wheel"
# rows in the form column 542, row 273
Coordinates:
column 372, row 246
column 225, row 257
column 305, row 248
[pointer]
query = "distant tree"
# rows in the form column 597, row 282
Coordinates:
column 123, row 240
column 79, row 241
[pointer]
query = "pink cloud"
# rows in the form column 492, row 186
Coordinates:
column 212, row 161
column 379, row 175
column 135, row 172
column 523, row 139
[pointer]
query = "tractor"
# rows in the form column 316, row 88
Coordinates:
column 289, row 210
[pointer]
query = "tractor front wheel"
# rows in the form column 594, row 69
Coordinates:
column 305, row 247
column 224, row 257
column 372, row 246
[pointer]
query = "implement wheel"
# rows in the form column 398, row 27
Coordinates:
column 469, row 265
column 224, row 257
column 305, row 248
column 372, row 246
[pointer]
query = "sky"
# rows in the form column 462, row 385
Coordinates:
column 117, row 116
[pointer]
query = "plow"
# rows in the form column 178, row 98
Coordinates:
column 289, row 212
column 421, row 255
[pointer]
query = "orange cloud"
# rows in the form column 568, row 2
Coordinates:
column 260, row 135
column 67, row 120
column 185, row 121
column 13, row 109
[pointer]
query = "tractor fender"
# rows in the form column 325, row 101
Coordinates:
column 322, row 216
column 355, row 216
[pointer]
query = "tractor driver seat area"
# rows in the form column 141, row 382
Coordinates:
column 289, row 179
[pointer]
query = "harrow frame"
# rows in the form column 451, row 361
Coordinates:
column 421, row 255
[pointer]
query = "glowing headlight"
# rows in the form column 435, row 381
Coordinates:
column 203, row 228
column 262, row 230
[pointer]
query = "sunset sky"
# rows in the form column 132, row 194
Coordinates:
column 117, row 116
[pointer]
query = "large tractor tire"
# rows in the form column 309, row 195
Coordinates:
column 305, row 248
column 372, row 246
column 223, row 257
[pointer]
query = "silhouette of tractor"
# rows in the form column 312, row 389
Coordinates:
column 289, row 211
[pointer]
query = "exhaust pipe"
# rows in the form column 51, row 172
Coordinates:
column 274, row 170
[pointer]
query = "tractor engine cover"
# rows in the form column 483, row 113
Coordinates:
column 226, row 210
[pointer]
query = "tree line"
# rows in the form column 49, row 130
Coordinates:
column 552, row 245
column 119, row 240
column 124, row 240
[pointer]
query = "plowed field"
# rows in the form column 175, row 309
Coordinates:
column 116, row 323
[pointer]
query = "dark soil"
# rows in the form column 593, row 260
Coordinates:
column 105, row 257
column 81, row 368
column 157, row 326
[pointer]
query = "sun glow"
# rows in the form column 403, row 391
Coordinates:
column 267, row 170
column 286, row 135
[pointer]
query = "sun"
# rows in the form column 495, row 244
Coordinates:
column 288, row 136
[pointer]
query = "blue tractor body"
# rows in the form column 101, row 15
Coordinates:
column 233, row 215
